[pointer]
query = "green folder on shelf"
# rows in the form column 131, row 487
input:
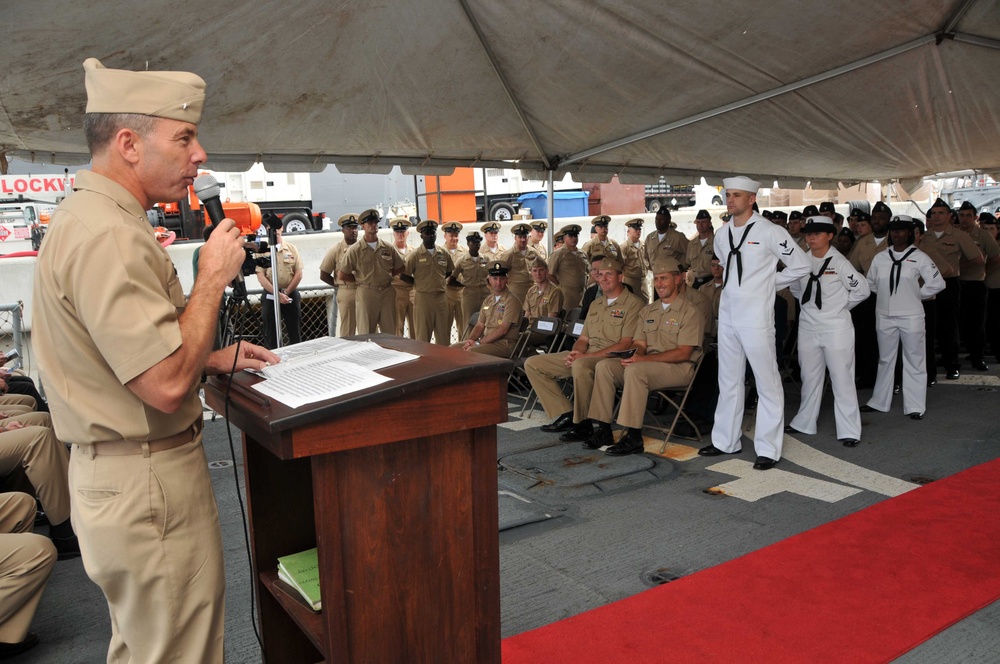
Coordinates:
column 301, row 571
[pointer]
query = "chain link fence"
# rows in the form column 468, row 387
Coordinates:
column 246, row 322
column 10, row 332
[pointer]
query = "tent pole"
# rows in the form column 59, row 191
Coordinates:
column 551, row 205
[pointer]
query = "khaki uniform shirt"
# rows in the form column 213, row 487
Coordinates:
column 471, row 270
column 547, row 303
column 429, row 272
column 519, row 277
column 372, row 267
column 106, row 303
column 570, row 268
column 680, row 324
column 988, row 246
column 864, row 252
column 634, row 257
column 289, row 262
column 538, row 247
column 332, row 261
column 674, row 244
column 607, row 324
column 702, row 304
column 949, row 248
column 699, row 257
column 597, row 248
column 492, row 254
column 495, row 313
column 403, row 253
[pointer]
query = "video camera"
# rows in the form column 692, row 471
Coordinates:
column 258, row 253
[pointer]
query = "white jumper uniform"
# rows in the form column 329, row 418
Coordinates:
column 750, row 255
column 895, row 278
column 826, row 341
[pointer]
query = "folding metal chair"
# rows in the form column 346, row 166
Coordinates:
column 677, row 398
column 545, row 330
column 572, row 327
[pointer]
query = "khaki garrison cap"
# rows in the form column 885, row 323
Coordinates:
column 427, row 225
column 176, row 95
column 490, row 227
column 666, row 264
column 601, row 220
column 520, row 229
column 371, row 214
column 348, row 220
column 399, row 223
column 539, row 225
column 452, row 227
column 572, row 229
column 634, row 223
column 610, row 263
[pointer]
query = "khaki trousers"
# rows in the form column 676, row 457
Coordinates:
column 636, row 380
column 26, row 561
column 43, row 459
column 149, row 537
column 545, row 370
column 455, row 311
column 345, row 312
column 431, row 316
column 376, row 309
column 404, row 310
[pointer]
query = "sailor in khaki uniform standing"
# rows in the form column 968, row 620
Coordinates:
column 634, row 258
column 601, row 244
column 518, row 259
column 427, row 268
column 972, row 278
column 451, row 231
column 667, row 345
column 666, row 240
column 949, row 245
column 569, row 267
column 122, row 387
column 346, row 294
column 404, row 292
column 499, row 322
column 700, row 250
column 536, row 240
column 750, row 247
column 286, row 294
column 611, row 324
column 470, row 274
column 826, row 334
column 492, row 250
column 372, row 263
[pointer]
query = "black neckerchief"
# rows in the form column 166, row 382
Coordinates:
column 897, row 269
column 735, row 251
column 814, row 278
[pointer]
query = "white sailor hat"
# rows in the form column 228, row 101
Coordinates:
column 741, row 183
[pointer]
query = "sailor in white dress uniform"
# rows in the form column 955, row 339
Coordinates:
column 895, row 276
column 826, row 333
column 750, row 247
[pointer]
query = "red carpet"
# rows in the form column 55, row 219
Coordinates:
column 865, row 588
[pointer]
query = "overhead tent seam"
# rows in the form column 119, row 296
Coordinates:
column 503, row 81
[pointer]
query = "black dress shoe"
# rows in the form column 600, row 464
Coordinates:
column 952, row 374
column 627, row 445
column 791, row 429
column 8, row 650
column 562, row 423
column 931, row 382
column 601, row 437
column 896, row 389
column 580, row 431
column 764, row 463
column 867, row 409
column 850, row 442
column 66, row 547
column 979, row 365
column 916, row 416
column 712, row 450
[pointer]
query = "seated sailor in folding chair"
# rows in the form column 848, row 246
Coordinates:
column 667, row 347
column 499, row 324
column 611, row 323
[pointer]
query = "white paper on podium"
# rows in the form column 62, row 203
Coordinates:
column 317, row 380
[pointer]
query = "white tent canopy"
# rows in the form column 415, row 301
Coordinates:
column 783, row 90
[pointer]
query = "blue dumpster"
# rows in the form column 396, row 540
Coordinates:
column 567, row 203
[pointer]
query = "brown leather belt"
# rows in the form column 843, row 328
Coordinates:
column 143, row 447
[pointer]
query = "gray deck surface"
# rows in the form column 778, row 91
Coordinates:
column 580, row 529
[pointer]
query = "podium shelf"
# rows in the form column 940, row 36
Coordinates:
column 309, row 621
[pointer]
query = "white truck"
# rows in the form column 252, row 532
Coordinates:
column 24, row 220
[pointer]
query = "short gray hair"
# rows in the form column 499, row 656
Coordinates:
column 100, row 128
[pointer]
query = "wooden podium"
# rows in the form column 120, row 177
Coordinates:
column 397, row 487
